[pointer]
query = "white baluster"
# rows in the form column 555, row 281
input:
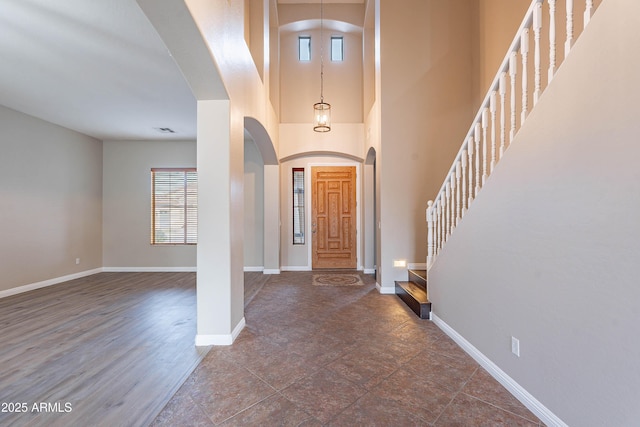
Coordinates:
column 503, row 93
column 470, row 152
column 492, row 109
column 443, row 238
column 452, row 201
column 588, row 12
column 569, row 42
column 458, row 190
column 441, row 219
column 524, row 51
column 436, row 226
column 477, row 139
column 440, row 222
column 552, row 40
column 485, row 124
column 464, row 160
column 513, row 71
column 430, row 249
column 537, row 26
column 447, row 216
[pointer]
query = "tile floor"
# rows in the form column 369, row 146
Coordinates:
column 339, row 356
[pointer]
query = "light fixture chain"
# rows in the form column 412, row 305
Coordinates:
column 322, row 110
column 321, row 51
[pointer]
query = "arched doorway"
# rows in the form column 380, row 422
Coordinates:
column 260, row 158
column 370, row 214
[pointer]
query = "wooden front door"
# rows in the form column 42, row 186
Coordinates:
column 333, row 216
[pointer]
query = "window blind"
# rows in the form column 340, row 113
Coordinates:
column 174, row 206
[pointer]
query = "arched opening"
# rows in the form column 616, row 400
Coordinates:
column 253, row 206
column 370, row 213
column 261, row 200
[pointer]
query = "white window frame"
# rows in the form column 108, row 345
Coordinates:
column 174, row 206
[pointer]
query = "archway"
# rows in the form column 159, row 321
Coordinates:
column 267, row 192
column 370, row 213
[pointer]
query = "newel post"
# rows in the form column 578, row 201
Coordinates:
column 430, row 231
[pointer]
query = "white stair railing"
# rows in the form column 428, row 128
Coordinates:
column 475, row 162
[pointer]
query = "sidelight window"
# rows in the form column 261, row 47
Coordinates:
column 298, row 206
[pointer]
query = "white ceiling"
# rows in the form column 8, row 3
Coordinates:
column 97, row 67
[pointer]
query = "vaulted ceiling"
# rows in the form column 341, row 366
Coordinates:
column 97, row 67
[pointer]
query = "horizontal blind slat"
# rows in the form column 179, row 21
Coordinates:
column 174, row 206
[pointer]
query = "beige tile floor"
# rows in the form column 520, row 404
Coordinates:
column 339, row 356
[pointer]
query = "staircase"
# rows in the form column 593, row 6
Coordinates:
column 414, row 293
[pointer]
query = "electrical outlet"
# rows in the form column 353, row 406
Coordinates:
column 77, row 261
column 515, row 346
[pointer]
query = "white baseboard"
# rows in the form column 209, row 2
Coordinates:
column 417, row 266
column 263, row 270
column 295, row 268
column 45, row 283
column 369, row 271
column 386, row 290
column 225, row 339
column 541, row 411
column 149, row 269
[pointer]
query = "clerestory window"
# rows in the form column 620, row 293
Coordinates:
column 304, row 48
column 337, row 48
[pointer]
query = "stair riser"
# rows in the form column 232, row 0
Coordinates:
column 417, row 279
column 423, row 310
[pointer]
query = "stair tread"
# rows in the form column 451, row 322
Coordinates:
column 420, row 273
column 417, row 292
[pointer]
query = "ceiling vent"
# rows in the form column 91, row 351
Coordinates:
column 165, row 130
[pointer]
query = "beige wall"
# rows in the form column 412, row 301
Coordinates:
column 498, row 21
column 548, row 251
column 348, row 13
column 51, row 209
column 426, row 108
column 344, row 138
column 368, row 58
column 127, row 204
column 254, row 32
column 300, row 81
column 273, row 68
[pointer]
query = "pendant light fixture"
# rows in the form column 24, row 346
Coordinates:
column 321, row 110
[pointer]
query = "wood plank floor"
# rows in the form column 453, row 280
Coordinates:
column 112, row 347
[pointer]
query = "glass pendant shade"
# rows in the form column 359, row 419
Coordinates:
column 321, row 117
